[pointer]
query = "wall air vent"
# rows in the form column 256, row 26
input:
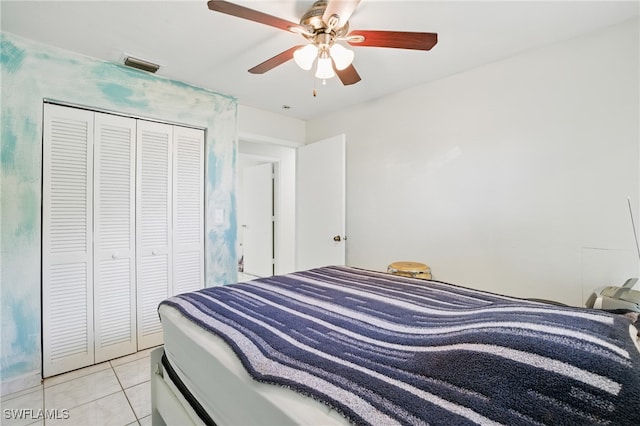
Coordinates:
column 141, row 64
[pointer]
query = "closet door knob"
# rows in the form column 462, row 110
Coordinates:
column 114, row 256
column 154, row 252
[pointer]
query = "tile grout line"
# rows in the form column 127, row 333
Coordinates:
column 43, row 389
column 86, row 403
column 44, row 403
column 124, row 393
column 74, row 377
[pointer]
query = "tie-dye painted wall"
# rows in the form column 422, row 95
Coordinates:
column 32, row 72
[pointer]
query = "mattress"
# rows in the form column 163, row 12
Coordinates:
column 219, row 382
column 383, row 349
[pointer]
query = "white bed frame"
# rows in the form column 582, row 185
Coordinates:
column 168, row 406
column 212, row 371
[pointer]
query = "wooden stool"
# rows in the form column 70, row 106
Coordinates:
column 410, row 269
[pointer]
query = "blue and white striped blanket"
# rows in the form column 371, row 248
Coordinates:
column 385, row 350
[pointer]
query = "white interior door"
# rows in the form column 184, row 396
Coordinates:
column 257, row 193
column 321, row 203
column 67, row 240
column 188, row 209
column 110, row 257
column 114, row 236
column 153, row 227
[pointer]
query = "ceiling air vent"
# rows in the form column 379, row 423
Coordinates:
column 141, row 64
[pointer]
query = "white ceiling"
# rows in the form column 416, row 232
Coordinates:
column 211, row 50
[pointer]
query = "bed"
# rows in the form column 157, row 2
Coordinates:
column 341, row 345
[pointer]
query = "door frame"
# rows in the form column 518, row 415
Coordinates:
column 283, row 155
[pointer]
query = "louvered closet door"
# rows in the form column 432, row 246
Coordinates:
column 188, row 208
column 67, row 278
column 153, row 227
column 114, row 236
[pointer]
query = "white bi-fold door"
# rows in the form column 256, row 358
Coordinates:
column 170, row 207
column 114, row 244
column 154, row 227
column 116, row 192
column 67, row 240
column 188, row 209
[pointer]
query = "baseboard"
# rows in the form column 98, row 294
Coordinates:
column 20, row 383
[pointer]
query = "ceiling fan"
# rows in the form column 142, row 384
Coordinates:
column 324, row 25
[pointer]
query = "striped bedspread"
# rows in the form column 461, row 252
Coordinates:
column 385, row 350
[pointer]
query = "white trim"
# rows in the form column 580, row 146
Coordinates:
column 283, row 157
column 21, row 383
column 122, row 114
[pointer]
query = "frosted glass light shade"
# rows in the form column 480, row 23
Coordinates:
column 342, row 56
column 305, row 56
column 325, row 68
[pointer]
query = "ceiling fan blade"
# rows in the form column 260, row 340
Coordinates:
column 271, row 63
column 342, row 8
column 394, row 39
column 250, row 14
column 348, row 76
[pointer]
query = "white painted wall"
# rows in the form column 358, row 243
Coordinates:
column 264, row 126
column 30, row 72
column 512, row 177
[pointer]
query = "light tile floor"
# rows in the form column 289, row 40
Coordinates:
column 113, row 393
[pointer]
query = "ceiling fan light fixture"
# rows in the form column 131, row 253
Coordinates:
column 342, row 56
column 324, row 23
column 305, row 56
column 325, row 68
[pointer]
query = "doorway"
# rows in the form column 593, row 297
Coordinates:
column 257, row 213
column 283, row 158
